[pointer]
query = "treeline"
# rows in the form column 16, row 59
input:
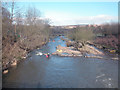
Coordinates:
column 22, row 31
column 81, row 34
column 108, row 36
column 105, row 35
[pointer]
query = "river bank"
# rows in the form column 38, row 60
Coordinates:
column 14, row 54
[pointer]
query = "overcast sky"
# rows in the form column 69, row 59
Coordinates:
column 71, row 13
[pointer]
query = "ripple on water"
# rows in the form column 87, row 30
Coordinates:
column 64, row 72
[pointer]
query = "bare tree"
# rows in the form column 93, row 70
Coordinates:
column 14, row 10
column 32, row 15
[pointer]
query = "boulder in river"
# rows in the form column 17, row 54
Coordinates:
column 70, row 43
column 5, row 71
column 14, row 63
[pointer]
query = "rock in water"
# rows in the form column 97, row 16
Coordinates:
column 39, row 53
column 5, row 71
column 14, row 63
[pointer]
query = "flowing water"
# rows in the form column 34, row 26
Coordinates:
column 62, row 72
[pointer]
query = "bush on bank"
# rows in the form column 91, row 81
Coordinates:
column 105, row 35
column 81, row 34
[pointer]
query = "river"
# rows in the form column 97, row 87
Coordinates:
column 62, row 72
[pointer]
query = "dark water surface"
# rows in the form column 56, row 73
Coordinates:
column 62, row 72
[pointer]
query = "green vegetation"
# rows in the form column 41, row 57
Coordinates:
column 81, row 34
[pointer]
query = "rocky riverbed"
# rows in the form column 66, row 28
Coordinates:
column 75, row 49
column 70, row 51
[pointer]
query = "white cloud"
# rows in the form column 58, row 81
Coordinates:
column 64, row 18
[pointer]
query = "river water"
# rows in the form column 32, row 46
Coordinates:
column 62, row 72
